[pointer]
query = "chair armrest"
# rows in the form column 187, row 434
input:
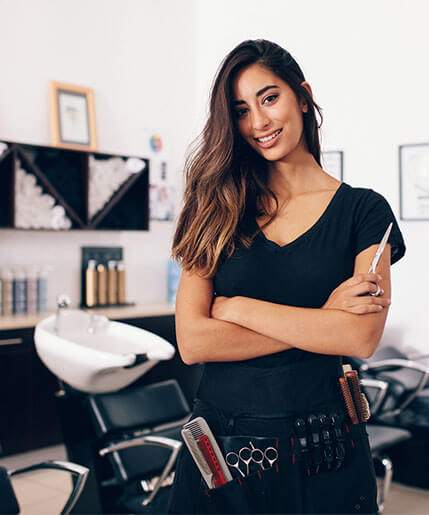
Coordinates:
column 158, row 441
column 77, row 471
column 381, row 386
column 394, row 364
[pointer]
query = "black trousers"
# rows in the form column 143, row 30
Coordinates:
column 247, row 403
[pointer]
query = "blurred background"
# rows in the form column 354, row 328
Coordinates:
column 151, row 63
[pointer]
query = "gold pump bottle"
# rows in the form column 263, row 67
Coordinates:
column 91, row 284
column 121, row 282
column 112, row 282
column 102, row 284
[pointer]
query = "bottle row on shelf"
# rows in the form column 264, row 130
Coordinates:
column 104, row 285
column 23, row 290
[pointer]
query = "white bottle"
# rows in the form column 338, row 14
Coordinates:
column 31, row 290
column 19, row 293
column 7, row 291
column 42, row 291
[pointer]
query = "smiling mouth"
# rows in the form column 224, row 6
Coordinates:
column 266, row 139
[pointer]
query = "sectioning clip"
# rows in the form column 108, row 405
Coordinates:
column 316, row 450
column 340, row 450
column 301, row 433
column 326, row 439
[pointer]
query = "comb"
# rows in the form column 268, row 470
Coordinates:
column 209, row 448
column 348, row 399
column 198, row 457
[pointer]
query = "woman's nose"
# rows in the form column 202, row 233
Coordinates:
column 260, row 120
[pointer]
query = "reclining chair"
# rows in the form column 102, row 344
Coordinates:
column 382, row 438
column 404, row 400
column 398, row 390
column 8, row 501
column 138, row 440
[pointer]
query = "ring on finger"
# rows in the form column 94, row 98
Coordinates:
column 377, row 293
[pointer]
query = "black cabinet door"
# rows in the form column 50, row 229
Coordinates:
column 27, row 396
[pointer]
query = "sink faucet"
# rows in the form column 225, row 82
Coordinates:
column 63, row 301
column 92, row 324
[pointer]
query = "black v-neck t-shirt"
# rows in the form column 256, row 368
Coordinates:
column 304, row 272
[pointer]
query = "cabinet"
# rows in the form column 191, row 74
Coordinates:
column 52, row 188
column 29, row 408
column 27, row 400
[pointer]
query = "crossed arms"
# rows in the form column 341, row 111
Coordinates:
column 237, row 329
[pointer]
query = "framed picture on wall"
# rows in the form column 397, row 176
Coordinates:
column 332, row 161
column 72, row 116
column 414, row 181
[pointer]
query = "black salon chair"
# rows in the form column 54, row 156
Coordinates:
column 404, row 400
column 8, row 501
column 398, row 388
column 382, row 437
column 138, row 440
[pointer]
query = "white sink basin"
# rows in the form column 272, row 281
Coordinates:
column 95, row 355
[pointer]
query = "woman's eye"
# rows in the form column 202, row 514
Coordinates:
column 270, row 98
column 240, row 112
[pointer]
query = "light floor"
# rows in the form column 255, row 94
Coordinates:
column 45, row 492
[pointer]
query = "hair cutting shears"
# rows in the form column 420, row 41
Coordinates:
column 377, row 257
column 249, row 455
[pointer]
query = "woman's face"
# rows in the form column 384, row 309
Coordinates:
column 268, row 114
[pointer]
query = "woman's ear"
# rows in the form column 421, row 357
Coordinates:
column 304, row 105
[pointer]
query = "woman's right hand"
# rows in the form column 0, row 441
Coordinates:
column 353, row 295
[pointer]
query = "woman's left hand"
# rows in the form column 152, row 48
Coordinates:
column 223, row 308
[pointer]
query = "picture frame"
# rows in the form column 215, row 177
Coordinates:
column 333, row 163
column 414, row 181
column 72, row 116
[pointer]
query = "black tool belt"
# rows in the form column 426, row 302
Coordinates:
column 297, row 478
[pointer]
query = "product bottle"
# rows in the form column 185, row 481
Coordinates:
column 174, row 272
column 112, row 283
column 121, row 282
column 91, row 284
column 7, row 292
column 42, row 291
column 102, row 284
column 19, row 293
column 31, row 291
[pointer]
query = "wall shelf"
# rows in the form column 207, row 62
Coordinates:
column 51, row 188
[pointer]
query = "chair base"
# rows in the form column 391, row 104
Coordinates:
column 386, row 481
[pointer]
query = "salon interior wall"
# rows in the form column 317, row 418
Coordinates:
column 151, row 63
column 138, row 56
column 365, row 62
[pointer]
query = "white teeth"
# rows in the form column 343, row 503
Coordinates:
column 268, row 138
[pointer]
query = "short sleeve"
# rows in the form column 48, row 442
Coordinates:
column 373, row 216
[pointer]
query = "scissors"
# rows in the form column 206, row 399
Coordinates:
column 252, row 454
column 377, row 257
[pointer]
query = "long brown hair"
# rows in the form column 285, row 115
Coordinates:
column 226, row 180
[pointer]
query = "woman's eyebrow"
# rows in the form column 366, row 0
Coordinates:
column 258, row 94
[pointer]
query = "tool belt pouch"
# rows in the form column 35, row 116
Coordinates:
column 257, row 492
column 348, row 489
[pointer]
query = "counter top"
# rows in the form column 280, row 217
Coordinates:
column 115, row 313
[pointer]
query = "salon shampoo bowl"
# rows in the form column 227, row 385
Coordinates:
column 94, row 354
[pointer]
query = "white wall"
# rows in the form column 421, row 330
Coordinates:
column 139, row 57
column 151, row 63
column 366, row 63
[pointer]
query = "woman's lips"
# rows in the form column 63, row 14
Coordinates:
column 269, row 143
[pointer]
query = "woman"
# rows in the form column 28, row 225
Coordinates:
column 274, row 291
